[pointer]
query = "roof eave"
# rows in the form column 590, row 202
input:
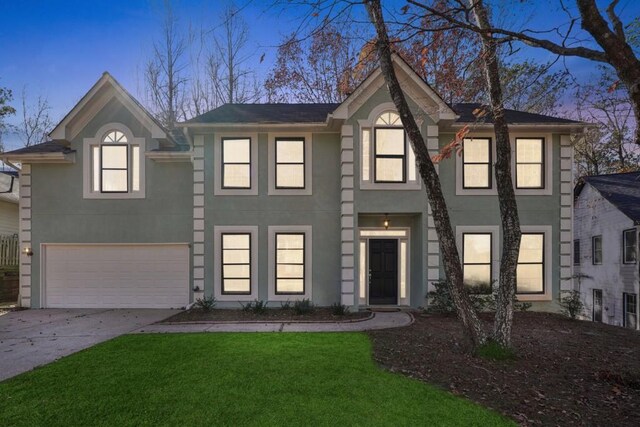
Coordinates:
column 41, row 157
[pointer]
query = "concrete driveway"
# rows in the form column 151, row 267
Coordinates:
column 32, row 338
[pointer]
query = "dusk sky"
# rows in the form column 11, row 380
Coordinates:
column 60, row 48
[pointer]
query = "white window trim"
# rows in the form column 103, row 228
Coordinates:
column 402, row 235
column 548, row 180
column 548, row 248
column 494, row 230
column 308, row 165
column 87, row 164
column 308, row 257
column 368, row 124
column 548, row 164
column 217, row 166
column 218, row 230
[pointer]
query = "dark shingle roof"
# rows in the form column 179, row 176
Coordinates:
column 317, row 113
column 43, row 148
column 621, row 189
column 465, row 111
column 267, row 113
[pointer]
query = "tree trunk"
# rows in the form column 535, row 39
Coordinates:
column 450, row 257
column 618, row 52
column 506, row 194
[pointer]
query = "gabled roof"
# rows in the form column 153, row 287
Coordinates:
column 621, row 189
column 83, row 110
column 266, row 113
column 42, row 148
column 465, row 111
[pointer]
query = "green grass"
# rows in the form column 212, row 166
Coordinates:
column 491, row 350
column 229, row 379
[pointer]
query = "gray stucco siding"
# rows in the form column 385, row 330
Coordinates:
column 321, row 211
column 60, row 214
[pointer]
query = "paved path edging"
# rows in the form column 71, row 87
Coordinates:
column 380, row 320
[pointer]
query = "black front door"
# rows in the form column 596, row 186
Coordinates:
column 383, row 271
column 597, row 305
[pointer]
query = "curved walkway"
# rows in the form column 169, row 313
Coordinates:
column 380, row 320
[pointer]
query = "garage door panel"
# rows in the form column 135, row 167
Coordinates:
column 117, row 276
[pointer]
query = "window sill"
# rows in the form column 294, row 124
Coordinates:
column 409, row 186
column 114, row 196
column 534, row 297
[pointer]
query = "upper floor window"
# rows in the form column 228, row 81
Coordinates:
column 576, row 252
column 530, row 271
column 389, row 149
column 290, row 163
column 236, row 163
column 476, row 163
column 113, row 164
column 530, row 163
column 630, row 246
column 235, row 166
column 387, row 160
column 596, row 250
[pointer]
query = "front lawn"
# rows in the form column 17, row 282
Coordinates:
column 230, row 379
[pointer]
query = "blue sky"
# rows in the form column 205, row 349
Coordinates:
column 60, row 48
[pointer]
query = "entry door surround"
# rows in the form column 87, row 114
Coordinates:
column 401, row 237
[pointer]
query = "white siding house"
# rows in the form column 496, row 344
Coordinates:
column 605, row 248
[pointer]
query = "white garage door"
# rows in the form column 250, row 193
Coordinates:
column 116, row 276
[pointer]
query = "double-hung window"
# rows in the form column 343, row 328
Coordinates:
column 630, row 246
column 113, row 164
column 576, row 252
column 236, row 163
column 290, row 163
column 290, row 263
column 630, row 310
column 477, row 266
column 476, row 163
column 596, row 250
column 530, row 163
column 530, row 271
column 390, row 149
column 236, row 263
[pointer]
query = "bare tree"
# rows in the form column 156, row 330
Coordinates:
column 609, row 146
column 450, row 255
column 6, row 96
column 227, row 66
column 506, row 195
column 36, row 121
column 609, row 35
column 165, row 71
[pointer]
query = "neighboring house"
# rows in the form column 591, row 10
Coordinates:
column 607, row 223
column 281, row 202
column 9, row 197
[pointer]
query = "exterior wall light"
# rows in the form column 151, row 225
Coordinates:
column 27, row 251
column 386, row 222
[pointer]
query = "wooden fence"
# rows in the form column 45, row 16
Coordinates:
column 9, row 251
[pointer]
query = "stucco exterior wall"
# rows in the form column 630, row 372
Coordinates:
column 596, row 216
column 60, row 214
column 321, row 211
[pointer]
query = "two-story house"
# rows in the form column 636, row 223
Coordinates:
column 606, row 235
column 281, row 202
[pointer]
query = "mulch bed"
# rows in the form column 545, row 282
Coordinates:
column 271, row 315
column 566, row 372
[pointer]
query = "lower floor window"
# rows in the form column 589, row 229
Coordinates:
column 531, row 264
column 476, row 265
column 290, row 248
column 236, row 263
column 630, row 310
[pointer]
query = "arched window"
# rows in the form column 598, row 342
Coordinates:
column 389, row 149
column 115, row 164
